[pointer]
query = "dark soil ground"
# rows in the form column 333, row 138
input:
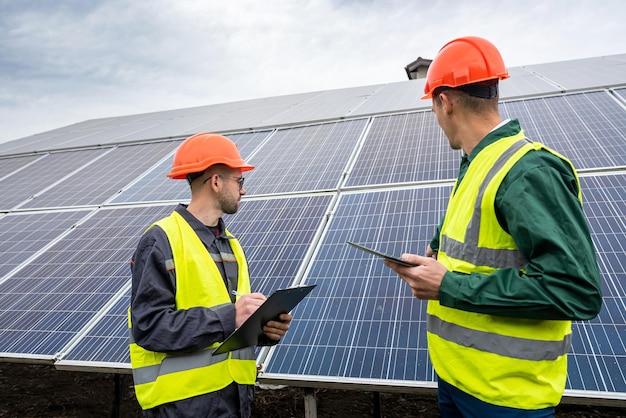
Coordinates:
column 29, row 391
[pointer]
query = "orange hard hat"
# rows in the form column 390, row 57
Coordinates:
column 200, row 151
column 462, row 61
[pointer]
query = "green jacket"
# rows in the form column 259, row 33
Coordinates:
column 538, row 205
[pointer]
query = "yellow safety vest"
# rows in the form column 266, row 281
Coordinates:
column 161, row 378
column 513, row 362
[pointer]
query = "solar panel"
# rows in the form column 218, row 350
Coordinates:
column 8, row 166
column 582, row 73
column 381, row 180
column 362, row 321
column 326, row 104
column 155, row 186
column 22, row 235
column 41, row 174
column 404, row 148
column 276, row 235
column 597, row 361
column 45, row 304
column 400, row 96
column 100, row 180
column 588, row 128
column 106, row 342
column 305, row 158
column 524, row 82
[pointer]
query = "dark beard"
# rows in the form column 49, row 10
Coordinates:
column 229, row 206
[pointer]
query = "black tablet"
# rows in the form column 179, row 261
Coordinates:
column 248, row 334
column 385, row 256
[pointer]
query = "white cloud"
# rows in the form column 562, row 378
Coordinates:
column 66, row 61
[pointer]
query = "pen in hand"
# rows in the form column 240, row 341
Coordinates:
column 234, row 292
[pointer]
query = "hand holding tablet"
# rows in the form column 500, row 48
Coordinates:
column 385, row 256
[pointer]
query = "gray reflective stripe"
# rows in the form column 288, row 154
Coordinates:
column 180, row 363
column 480, row 256
column 177, row 363
column 131, row 339
column 216, row 257
column 243, row 354
column 230, row 258
column 169, row 263
column 469, row 250
column 513, row 347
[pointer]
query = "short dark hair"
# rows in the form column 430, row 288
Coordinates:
column 473, row 103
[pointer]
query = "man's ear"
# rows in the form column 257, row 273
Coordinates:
column 446, row 103
column 214, row 181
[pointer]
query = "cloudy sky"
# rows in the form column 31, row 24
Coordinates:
column 67, row 61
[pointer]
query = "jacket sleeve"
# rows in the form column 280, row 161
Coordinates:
column 538, row 205
column 156, row 323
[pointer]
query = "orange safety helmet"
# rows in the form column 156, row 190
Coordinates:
column 200, row 151
column 462, row 61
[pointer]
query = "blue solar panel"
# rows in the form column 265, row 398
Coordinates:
column 100, row 180
column 363, row 323
column 47, row 302
column 588, row 128
column 22, row 235
column 381, row 181
column 362, row 320
column 276, row 235
column 9, row 166
column 107, row 341
column 41, row 174
column 155, row 186
column 597, row 361
column 304, row 159
column 404, row 148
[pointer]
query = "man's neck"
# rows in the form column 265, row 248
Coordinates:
column 207, row 215
column 477, row 129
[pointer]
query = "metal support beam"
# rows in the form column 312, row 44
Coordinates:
column 310, row 403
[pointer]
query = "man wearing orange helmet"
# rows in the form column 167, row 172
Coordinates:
column 190, row 290
column 512, row 263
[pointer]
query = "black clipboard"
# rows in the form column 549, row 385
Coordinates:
column 248, row 334
column 385, row 256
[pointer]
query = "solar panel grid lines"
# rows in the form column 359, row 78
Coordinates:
column 104, row 177
column 24, row 235
column 402, row 148
column 59, row 292
column 155, row 186
column 315, row 186
column 102, row 341
column 597, row 361
column 145, row 183
column 306, row 158
column 40, row 174
column 12, row 165
column 362, row 321
column 588, row 128
column 276, row 235
column 621, row 92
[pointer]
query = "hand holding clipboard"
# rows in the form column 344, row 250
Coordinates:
column 248, row 334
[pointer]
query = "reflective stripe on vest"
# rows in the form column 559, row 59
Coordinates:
column 470, row 251
column 503, row 345
column 161, row 378
column 504, row 361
